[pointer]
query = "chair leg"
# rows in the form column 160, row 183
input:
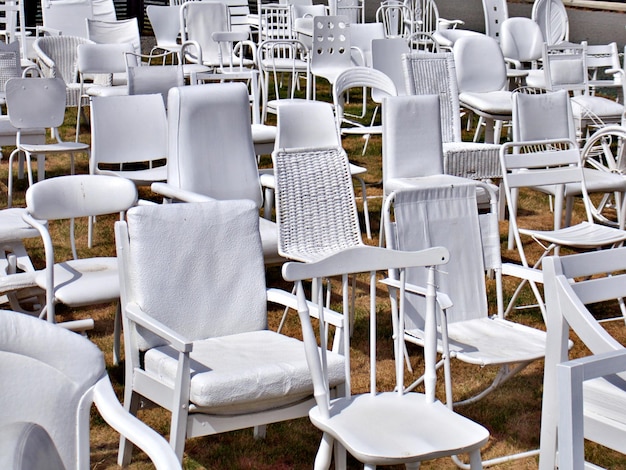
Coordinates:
column 131, row 403
column 117, row 333
column 366, row 213
column 324, row 453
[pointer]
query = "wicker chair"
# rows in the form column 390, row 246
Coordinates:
column 427, row 73
column 57, row 57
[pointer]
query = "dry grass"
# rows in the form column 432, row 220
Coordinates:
column 512, row 413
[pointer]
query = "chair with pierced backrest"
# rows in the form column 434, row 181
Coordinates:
column 589, row 404
column 496, row 12
column 330, row 54
column 416, row 426
column 551, row 16
column 78, row 282
column 198, row 169
column 427, row 73
column 35, row 103
column 551, row 163
column 45, row 411
column 207, row 356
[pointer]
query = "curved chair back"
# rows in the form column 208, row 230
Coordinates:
column 479, row 64
column 521, row 39
column 496, row 12
column 36, row 102
column 165, row 23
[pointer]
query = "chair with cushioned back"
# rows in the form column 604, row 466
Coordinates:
column 115, row 32
column 589, row 404
column 199, row 169
column 521, row 42
column 45, row 409
column 207, row 356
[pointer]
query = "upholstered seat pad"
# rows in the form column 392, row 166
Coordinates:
column 92, row 280
column 243, row 371
column 140, row 177
column 601, row 107
column 605, row 399
column 493, row 102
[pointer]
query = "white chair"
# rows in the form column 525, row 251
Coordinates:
column 35, row 103
column 13, row 29
column 66, row 18
column 275, row 21
column 115, row 32
column 79, row 281
column 496, row 13
column 165, row 22
column 397, row 19
column 99, row 62
column 378, row 427
column 354, row 10
column 553, row 164
column 425, row 217
column 361, row 37
column 207, row 356
column 387, row 57
column 482, row 81
column 521, row 42
column 330, row 54
column 129, row 137
column 551, row 16
column 428, row 73
column 199, row 118
column 604, row 68
column 45, row 412
column 582, row 398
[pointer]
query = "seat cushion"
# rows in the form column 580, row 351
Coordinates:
column 497, row 103
column 602, row 107
column 84, row 281
column 243, row 372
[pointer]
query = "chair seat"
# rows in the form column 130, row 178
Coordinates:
column 56, row 148
column 243, row 372
column 389, row 428
column 595, row 181
column 92, row 280
column 582, row 235
column 284, row 64
column 603, row 398
column 14, row 227
column 269, row 240
column 140, row 177
column 472, row 160
column 602, row 107
column 119, row 90
column 496, row 103
column 501, row 341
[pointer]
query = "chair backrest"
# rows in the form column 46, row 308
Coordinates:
column 316, row 210
column 210, row 142
column 551, row 16
column 276, row 21
column 165, row 21
column 40, row 385
column 67, row 16
column 126, row 129
column 36, row 102
column 543, row 116
column 396, row 17
column 102, row 58
column 58, row 56
column 358, row 77
column 72, row 196
column 354, row 10
column 435, row 74
column 331, row 42
column 9, row 62
column 479, row 64
column 599, row 59
column 565, row 67
column 146, row 80
column 187, row 293
column 426, row 12
column 104, row 10
column 361, row 37
column 115, row 32
column 387, row 57
column 412, row 144
column 434, row 216
column 521, row 40
column 295, row 129
column 496, row 12
column 198, row 22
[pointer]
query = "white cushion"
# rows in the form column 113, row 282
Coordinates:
column 493, row 102
column 244, row 371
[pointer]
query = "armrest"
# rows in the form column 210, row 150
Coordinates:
column 523, row 272
column 281, row 297
column 443, row 300
column 135, row 314
column 449, row 24
column 358, row 52
column 148, row 440
column 172, row 192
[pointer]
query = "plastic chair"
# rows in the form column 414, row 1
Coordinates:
column 387, row 57
column 521, row 42
column 57, row 57
column 582, row 397
column 397, row 19
column 165, row 22
column 44, row 422
column 129, row 137
column 415, row 426
column 361, row 37
column 35, row 103
column 482, row 81
column 426, row 217
column 551, row 16
column 66, row 17
column 330, row 54
column 553, row 164
column 496, row 13
column 146, row 80
column 233, row 373
column 115, row 32
column 428, row 73
column 198, row 168
column 99, row 62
